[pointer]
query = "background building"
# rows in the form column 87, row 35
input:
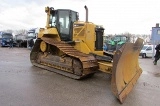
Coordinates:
column 155, row 35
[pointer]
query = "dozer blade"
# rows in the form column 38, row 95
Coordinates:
column 126, row 70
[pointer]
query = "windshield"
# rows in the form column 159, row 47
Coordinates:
column 20, row 37
column 144, row 47
column 7, row 36
column 64, row 22
column 119, row 38
column 31, row 35
column 116, row 38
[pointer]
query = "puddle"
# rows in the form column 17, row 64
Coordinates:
column 144, row 72
column 157, row 75
column 150, row 85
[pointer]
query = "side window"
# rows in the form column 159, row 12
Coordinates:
column 123, row 38
column 149, row 48
column 54, row 21
column 61, row 21
column 74, row 18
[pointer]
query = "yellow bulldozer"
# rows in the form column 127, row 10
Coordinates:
column 74, row 49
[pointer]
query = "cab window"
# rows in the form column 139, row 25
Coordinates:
column 149, row 48
column 64, row 22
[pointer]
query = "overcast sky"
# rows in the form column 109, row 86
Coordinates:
column 117, row 16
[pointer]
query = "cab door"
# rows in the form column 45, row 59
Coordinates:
column 149, row 51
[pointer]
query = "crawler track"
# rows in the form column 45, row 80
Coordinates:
column 72, row 63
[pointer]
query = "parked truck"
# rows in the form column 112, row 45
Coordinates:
column 21, row 40
column 5, row 38
column 32, row 34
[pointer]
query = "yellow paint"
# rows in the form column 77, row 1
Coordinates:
column 43, row 46
column 105, row 67
column 50, row 32
column 84, row 36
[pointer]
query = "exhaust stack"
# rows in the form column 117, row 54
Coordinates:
column 86, row 8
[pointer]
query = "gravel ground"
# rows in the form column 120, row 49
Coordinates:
column 22, row 84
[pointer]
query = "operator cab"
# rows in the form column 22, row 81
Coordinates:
column 63, row 19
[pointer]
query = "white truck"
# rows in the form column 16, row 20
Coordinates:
column 147, row 51
column 32, row 34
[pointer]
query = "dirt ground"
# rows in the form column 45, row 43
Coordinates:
column 22, row 84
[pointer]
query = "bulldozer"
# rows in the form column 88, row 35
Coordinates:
column 74, row 48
